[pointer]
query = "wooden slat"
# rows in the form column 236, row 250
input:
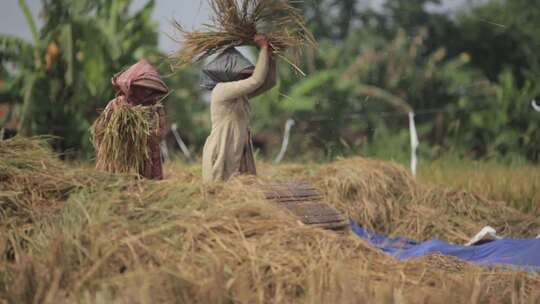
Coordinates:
column 305, row 202
column 297, row 200
column 279, row 196
column 276, row 194
column 294, row 198
column 323, row 219
column 291, row 191
column 333, row 226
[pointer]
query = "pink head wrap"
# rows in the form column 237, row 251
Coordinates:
column 141, row 74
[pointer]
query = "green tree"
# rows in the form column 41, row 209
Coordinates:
column 332, row 19
column 359, row 81
column 186, row 108
column 504, row 125
column 500, row 35
column 62, row 76
column 476, row 72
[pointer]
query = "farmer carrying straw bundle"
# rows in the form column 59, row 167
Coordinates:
column 127, row 134
column 228, row 150
column 233, row 79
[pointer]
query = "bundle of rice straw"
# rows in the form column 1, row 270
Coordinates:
column 236, row 22
column 120, row 138
column 34, row 182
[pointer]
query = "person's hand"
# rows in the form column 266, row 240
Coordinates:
column 261, row 40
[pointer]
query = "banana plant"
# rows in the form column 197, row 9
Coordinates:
column 356, row 82
column 62, row 76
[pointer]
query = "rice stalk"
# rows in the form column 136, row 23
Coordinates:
column 236, row 22
column 384, row 197
column 122, row 240
column 120, row 138
column 34, row 182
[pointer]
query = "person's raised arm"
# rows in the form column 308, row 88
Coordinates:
column 270, row 80
column 226, row 91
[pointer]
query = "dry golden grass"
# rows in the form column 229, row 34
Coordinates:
column 114, row 238
column 384, row 197
column 517, row 185
column 126, row 128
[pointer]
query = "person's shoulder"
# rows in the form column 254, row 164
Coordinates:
column 228, row 91
column 218, row 88
column 218, row 92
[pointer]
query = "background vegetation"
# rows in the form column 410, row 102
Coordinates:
column 469, row 76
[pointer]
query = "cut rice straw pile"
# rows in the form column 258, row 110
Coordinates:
column 120, row 138
column 122, row 240
column 384, row 197
column 34, row 182
column 235, row 23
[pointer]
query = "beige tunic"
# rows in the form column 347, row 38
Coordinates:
column 228, row 150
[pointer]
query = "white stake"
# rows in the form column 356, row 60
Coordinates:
column 414, row 143
column 288, row 126
column 535, row 106
column 181, row 144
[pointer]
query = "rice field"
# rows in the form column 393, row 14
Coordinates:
column 69, row 234
column 518, row 185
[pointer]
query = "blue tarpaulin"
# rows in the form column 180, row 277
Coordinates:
column 524, row 253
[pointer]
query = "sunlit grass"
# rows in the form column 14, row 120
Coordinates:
column 519, row 185
column 102, row 238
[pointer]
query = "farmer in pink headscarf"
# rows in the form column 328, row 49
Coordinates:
column 141, row 84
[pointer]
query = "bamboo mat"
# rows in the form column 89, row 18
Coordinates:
column 306, row 203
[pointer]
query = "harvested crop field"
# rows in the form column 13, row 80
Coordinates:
column 73, row 235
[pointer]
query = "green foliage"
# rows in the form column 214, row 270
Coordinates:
column 343, row 106
column 502, row 125
column 186, row 108
column 499, row 35
column 62, row 76
column 330, row 18
column 470, row 79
